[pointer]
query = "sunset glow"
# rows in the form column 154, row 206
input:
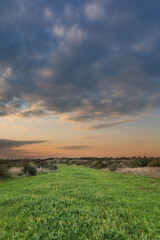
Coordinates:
column 79, row 78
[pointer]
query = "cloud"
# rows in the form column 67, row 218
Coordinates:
column 85, row 62
column 9, row 144
column 32, row 113
column 105, row 125
column 46, row 73
column 75, row 33
column 81, row 147
column 59, row 30
column 94, row 11
column 48, row 14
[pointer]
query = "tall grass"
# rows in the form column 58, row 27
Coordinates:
column 143, row 171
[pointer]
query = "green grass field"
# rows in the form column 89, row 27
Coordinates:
column 80, row 203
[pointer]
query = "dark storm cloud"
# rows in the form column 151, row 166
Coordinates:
column 85, row 60
column 9, row 144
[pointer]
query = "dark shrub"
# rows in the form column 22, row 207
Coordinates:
column 41, row 163
column 113, row 167
column 98, row 164
column 87, row 163
column 154, row 163
column 134, row 163
column 38, row 162
column 145, row 161
column 142, row 162
column 30, row 169
column 4, row 171
column 49, row 166
column 52, row 167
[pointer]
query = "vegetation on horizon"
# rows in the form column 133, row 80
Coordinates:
column 34, row 166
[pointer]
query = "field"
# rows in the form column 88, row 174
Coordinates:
column 77, row 202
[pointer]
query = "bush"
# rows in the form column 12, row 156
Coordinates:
column 154, row 163
column 4, row 171
column 53, row 167
column 47, row 165
column 134, row 163
column 97, row 164
column 142, row 162
column 30, row 169
column 145, row 161
column 113, row 167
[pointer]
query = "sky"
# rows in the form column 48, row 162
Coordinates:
column 79, row 78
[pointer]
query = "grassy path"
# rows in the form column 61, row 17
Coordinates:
column 80, row 203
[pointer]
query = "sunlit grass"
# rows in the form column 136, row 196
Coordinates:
column 80, row 203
